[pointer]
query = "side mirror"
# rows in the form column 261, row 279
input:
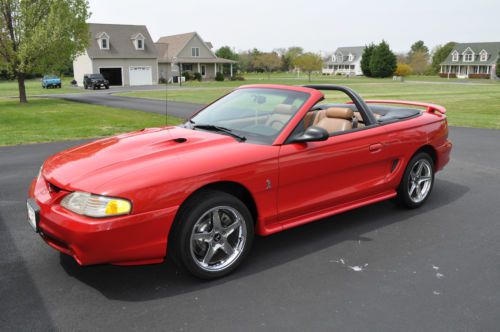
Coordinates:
column 312, row 134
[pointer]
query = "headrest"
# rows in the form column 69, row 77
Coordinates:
column 339, row 113
column 283, row 109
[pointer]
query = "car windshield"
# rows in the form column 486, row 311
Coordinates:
column 257, row 114
column 97, row 76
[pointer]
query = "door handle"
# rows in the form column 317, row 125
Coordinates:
column 376, row 147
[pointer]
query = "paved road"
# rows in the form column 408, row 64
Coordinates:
column 432, row 269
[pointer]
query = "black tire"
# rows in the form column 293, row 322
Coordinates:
column 181, row 245
column 94, row 87
column 59, row 86
column 107, row 87
column 406, row 196
column 85, row 86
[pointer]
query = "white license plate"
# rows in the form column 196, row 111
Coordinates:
column 31, row 216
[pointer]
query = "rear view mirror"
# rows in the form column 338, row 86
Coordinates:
column 312, row 134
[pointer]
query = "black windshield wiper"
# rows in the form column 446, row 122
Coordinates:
column 219, row 129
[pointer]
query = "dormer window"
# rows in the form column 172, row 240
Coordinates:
column 195, row 52
column 468, row 55
column 138, row 40
column 103, row 41
column 483, row 55
column 454, row 56
column 351, row 57
column 333, row 58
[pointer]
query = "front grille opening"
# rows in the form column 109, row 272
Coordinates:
column 53, row 188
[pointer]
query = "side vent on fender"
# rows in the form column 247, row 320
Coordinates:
column 395, row 163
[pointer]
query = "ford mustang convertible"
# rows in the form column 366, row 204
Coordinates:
column 260, row 160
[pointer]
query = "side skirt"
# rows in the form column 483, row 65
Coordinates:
column 305, row 219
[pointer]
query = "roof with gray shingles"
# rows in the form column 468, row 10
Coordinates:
column 120, row 42
column 342, row 54
column 492, row 48
column 170, row 46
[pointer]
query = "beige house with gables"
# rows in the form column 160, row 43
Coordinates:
column 127, row 56
column 188, row 52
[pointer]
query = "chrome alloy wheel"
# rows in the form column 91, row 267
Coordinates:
column 218, row 238
column 420, row 181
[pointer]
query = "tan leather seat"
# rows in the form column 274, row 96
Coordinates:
column 282, row 113
column 334, row 119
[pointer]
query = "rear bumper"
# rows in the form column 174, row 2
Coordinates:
column 125, row 240
column 443, row 155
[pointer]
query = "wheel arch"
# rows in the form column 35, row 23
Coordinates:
column 431, row 151
column 233, row 188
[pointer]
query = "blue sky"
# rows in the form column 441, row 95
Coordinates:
column 316, row 25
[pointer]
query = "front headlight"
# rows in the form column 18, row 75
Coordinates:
column 96, row 206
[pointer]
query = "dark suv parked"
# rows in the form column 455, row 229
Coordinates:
column 95, row 81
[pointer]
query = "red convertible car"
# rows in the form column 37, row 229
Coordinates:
column 262, row 159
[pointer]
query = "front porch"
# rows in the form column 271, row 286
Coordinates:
column 207, row 69
column 338, row 69
column 465, row 71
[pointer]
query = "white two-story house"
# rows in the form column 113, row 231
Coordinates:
column 346, row 61
column 471, row 60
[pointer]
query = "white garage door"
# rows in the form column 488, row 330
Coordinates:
column 140, row 75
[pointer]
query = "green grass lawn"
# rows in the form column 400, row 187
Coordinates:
column 475, row 104
column 45, row 120
column 34, row 87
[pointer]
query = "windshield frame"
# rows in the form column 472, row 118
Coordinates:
column 96, row 76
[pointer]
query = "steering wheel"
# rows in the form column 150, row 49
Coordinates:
column 281, row 124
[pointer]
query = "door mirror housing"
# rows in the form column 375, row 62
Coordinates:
column 312, row 134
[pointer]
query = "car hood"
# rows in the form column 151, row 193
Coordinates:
column 111, row 165
column 52, row 80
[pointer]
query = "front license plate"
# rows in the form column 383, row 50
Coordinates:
column 33, row 214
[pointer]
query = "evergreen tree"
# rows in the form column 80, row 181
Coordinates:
column 365, row 59
column 498, row 66
column 383, row 62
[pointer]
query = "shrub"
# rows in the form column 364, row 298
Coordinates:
column 479, row 75
column 445, row 75
column 187, row 75
column 162, row 80
column 219, row 76
column 237, row 78
column 197, row 76
column 403, row 70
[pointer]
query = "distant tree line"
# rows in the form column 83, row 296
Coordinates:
column 280, row 59
column 377, row 61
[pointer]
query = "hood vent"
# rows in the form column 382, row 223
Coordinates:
column 179, row 140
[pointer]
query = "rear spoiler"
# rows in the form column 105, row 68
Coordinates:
column 429, row 107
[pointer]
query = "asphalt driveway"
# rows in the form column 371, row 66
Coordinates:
column 378, row 268
column 107, row 98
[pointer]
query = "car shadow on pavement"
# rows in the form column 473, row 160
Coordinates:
column 150, row 282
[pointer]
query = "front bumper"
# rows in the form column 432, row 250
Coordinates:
column 125, row 240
